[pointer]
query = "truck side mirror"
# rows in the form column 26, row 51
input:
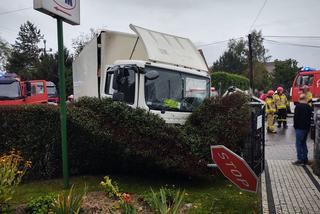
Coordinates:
column 118, row 96
column 152, row 75
column 28, row 88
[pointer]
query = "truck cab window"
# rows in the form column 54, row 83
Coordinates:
column 126, row 84
column 108, row 83
column 304, row 80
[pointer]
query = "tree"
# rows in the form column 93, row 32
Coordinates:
column 79, row 42
column 235, row 59
column 262, row 79
column 5, row 50
column 47, row 69
column 284, row 73
column 25, row 53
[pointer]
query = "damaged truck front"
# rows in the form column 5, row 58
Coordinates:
column 161, row 73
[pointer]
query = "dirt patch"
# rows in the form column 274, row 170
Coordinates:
column 99, row 203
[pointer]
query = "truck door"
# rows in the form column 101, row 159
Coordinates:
column 38, row 92
column 121, row 84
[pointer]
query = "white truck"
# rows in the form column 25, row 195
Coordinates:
column 161, row 73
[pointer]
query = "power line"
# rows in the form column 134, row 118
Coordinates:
column 218, row 42
column 260, row 11
column 298, row 37
column 13, row 11
column 292, row 44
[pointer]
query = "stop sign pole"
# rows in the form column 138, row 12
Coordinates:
column 234, row 168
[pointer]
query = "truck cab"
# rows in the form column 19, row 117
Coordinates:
column 16, row 92
column 306, row 77
column 161, row 73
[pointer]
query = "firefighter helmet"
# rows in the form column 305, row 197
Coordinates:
column 280, row 89
column 270, row 93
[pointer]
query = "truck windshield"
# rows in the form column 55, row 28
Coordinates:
column 10, row 90
column 175, row 91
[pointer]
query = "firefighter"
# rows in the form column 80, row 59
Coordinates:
column 270, row 110
column 282, row 104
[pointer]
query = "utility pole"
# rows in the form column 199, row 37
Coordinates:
column 250, row 65
column 45, row 47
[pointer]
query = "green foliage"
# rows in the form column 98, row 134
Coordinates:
column 149, row 142
column 284, row 73
column 41, row 204
column 122, row 138
column 12, row 169
column 47, row 69
column 68, row 202
column 225, row 80
column 25, row 53
column 262, row 79
column 5, row 51
column 233, row 59
column 219, row 121
column 165, row 201
column 110, row 188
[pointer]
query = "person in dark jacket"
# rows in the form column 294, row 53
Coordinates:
column 301, row 123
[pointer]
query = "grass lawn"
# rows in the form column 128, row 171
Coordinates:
column 219, row 196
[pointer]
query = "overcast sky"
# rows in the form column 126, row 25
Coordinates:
column 203, row 21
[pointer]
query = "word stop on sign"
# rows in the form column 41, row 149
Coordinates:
column 234, row 168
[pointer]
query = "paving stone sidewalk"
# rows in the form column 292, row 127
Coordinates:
column 287, row 188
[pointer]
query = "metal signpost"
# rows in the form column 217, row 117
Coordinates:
column 234, row 168
column 67, row 11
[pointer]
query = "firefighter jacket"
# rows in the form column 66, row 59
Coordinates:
column 270, row 105
column 280, row 101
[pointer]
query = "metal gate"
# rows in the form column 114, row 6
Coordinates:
column 317, row 138
column 254, row 147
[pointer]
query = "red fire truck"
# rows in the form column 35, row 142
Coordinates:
column 309, row 77
column 13, row 91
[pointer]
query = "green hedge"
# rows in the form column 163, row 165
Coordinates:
column 106, row 136
column 226, row 80
column 103, row 136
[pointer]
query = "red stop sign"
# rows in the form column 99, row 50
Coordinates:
column 234, row 168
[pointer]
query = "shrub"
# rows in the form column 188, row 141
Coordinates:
column 150, row 144
column 219, row 121
column 12, row 169
column 41, row 205
column 226, row 80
